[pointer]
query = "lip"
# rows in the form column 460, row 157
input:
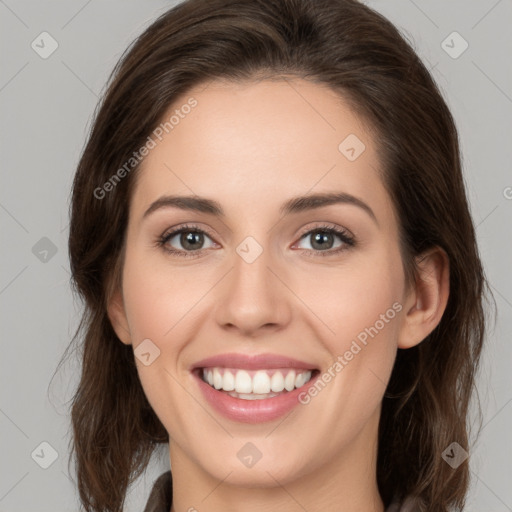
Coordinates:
column 253, row 362
column 252, row 411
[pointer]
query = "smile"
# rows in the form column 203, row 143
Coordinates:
column 253, row 389
column 255, row 385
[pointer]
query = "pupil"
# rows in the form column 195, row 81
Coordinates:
column 322, row 239
column 189, row 239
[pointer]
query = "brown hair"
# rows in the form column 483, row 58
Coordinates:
column 362, row 56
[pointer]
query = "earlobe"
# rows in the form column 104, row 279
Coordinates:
column 427, row 299
column 117, row 316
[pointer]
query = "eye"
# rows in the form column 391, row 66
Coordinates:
column 189, row 241
column 327, row 240
column 185, row 241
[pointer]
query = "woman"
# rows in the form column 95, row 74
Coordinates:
column 270, row 232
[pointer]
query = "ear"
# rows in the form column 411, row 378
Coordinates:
column 427, row 298
column 117, row 315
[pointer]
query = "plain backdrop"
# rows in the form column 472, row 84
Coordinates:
column 46, row 108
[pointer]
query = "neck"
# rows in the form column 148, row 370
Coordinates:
column 346, row 483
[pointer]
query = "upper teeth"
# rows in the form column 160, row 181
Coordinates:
column 261, row 381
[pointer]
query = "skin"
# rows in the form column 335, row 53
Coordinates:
column 251, row 147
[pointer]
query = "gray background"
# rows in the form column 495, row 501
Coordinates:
column 46, row 108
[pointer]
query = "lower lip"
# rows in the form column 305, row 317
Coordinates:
column 251, row 411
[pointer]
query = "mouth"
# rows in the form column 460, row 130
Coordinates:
column 255, row 384
column 253, row 389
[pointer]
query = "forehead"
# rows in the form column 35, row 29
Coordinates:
column 260, row 141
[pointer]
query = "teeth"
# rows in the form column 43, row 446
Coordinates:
column 302, row 378
column 217, row 379
column 249, row 385
column 261, row 383
column 243, row 382
column 252, row 396
column 277, row 382
column 289, row 381
column 228, row 383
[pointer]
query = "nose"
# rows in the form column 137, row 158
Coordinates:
column 252, row 299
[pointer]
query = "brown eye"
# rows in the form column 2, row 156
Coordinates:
column 185, row 241
column 327, row 240
column 191, row 240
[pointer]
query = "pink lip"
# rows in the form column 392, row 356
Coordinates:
column 254, row 362
column 251, row 411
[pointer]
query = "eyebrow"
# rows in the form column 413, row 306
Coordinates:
column 293, row 205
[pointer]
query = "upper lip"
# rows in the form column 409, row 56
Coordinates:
column 252, row 362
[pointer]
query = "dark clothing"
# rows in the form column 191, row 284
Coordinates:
column 160, row 499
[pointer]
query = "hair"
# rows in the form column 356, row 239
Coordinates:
column 359, row 54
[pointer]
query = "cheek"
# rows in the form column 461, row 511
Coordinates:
column 159, row 307
column 367, row 310
column 361, row 306
column 355, row 298
column 156, row 301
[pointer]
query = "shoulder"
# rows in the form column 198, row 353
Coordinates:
column 409, row 504
column 160, row 498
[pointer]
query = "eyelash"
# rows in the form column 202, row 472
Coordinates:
column 344, row 236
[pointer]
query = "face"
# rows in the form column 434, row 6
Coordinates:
column 248, row 286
